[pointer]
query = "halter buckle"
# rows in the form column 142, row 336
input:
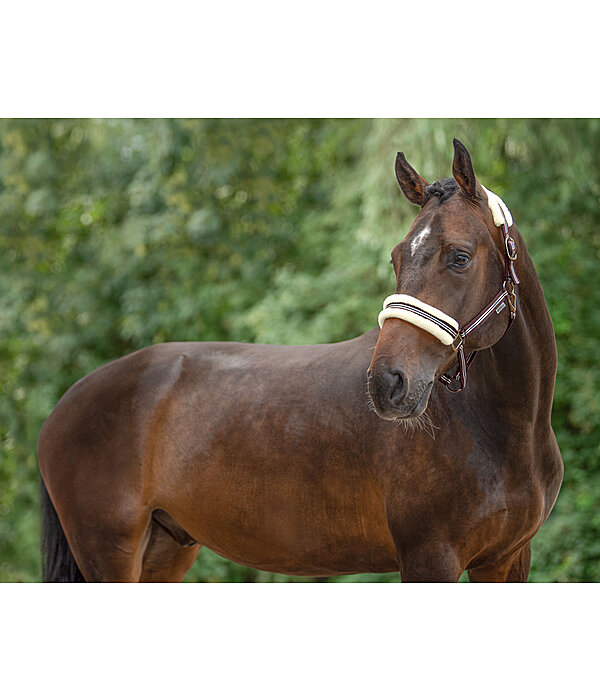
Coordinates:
column 511, row 248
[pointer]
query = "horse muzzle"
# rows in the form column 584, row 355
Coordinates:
column 405, row 363
column 396, row 395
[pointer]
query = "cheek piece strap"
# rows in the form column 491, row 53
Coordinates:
column 447, row 329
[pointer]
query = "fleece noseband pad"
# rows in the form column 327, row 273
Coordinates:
column 497, row 207
column 430, row 319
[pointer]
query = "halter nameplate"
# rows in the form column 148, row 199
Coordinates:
column 427, row 317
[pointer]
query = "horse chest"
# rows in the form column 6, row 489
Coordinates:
column 470, row 492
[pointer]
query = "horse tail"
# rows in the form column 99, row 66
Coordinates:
column 58, row 563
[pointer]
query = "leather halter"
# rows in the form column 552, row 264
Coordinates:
column 417, row 312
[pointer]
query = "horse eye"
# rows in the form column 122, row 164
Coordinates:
column 460, row 260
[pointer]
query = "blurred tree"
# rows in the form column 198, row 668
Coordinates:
column 117, row 234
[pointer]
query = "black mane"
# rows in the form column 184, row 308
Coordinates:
column 444, row 189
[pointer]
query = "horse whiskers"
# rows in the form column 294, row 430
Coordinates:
column 370, row 404
column 422, row 422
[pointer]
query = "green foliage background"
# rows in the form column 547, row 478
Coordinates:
column 117, row 234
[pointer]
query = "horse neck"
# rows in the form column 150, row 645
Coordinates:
column 522, row 365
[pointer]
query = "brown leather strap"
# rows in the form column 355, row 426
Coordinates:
column 506, row 296
column 461, row 374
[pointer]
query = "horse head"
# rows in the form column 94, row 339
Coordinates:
column 456, row 256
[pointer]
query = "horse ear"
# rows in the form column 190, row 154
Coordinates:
column 462, row 169
column 411, row 183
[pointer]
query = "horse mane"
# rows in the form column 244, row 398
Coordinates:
column 443, row 189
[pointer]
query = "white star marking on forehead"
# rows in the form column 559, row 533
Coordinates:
column 418, row 239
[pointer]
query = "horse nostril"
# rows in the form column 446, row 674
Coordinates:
column 398, row 386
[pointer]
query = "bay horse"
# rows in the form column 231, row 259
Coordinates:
column 329, row 459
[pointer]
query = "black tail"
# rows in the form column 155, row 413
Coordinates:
column 58, row 564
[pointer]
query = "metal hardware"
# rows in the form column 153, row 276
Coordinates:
column 512, row 303
column 511, row 248
column 511, row 297
column 455, row 391
column 460, row 338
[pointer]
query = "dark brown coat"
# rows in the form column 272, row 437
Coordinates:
column 274, row 457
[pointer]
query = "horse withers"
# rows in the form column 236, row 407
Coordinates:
column 417, row 456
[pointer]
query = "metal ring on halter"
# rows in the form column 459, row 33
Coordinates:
column 461, row 339
column 461, row 386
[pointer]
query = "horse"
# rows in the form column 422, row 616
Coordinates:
column 423, row 446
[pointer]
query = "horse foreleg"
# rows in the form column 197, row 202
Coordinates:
column 513, row 570
column 429, row 563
